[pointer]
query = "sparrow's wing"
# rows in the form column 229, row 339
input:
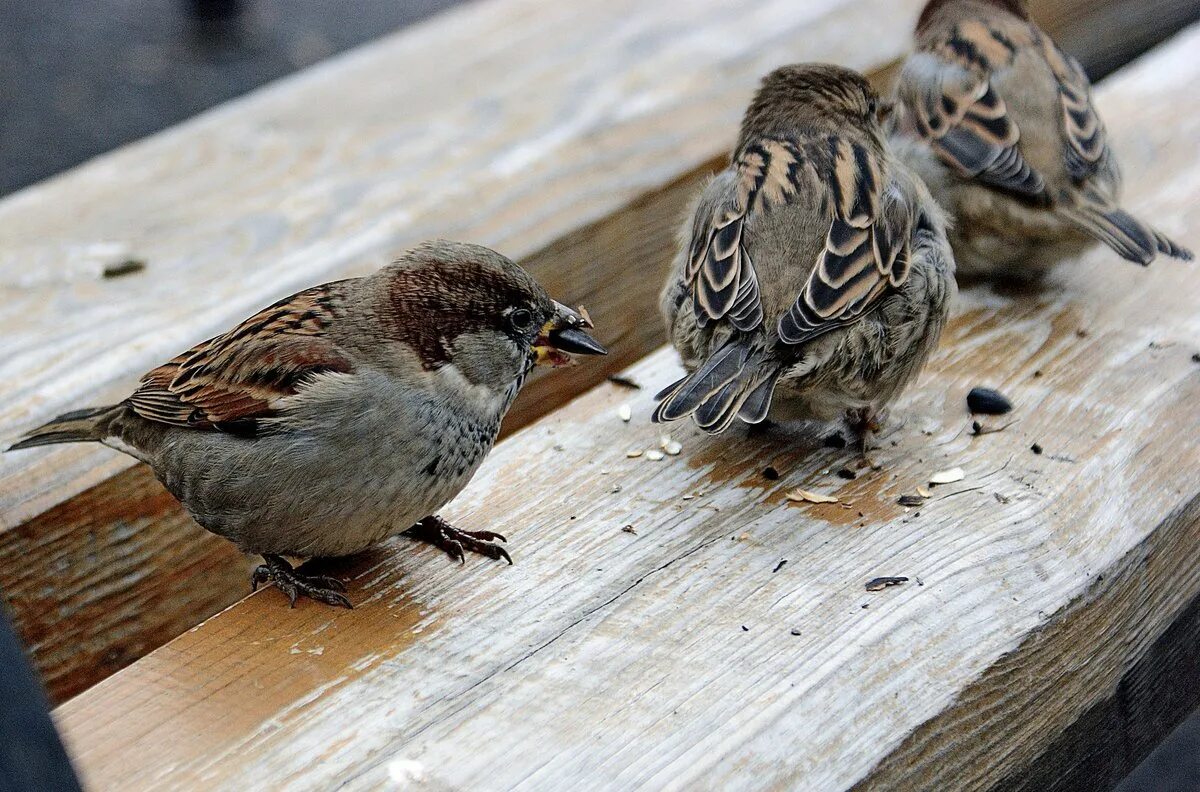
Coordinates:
column 720, row 273
column 947, row 91
column 868, row 246
column 1086, row 140
column 230, row 382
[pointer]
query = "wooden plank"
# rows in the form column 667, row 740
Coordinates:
column 667, row 658
column 308, row 180
column 279, row 190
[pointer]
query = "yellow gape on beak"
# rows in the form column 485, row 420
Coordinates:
column 564, row 335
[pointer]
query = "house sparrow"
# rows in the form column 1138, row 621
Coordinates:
column 815, row 275
column 1000, row 123
column 343, row 414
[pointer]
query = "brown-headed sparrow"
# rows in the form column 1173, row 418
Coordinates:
column 814, row 276
column 1000, row 123
column 343, row 414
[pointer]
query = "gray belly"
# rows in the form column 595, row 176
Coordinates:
column 332, row 488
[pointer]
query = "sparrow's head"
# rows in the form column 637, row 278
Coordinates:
column 934, row 7
column 470, row 307
column 818, row 96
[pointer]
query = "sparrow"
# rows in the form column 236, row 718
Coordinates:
column 1000, row 123
column 345, row 413
column 815, row 275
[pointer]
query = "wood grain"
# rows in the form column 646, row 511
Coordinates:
column 683, row 654
column 306, row 181
column 281, row 190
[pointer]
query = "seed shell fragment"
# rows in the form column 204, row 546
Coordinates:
column 804, row 496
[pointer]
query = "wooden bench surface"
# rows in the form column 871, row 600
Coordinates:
column 683, row 653
column 485, row 124
column 467, row 127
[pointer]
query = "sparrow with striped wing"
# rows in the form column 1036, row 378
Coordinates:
column 816, row 275
column 1000, row 122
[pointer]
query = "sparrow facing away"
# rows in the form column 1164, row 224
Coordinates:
column 815, row 275
column 1000, row 123
column 343, row 414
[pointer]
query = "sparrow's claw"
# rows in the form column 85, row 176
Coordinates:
column 864, row 422
column 294, row 584
column 455, row 543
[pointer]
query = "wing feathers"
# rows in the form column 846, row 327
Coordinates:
column 236, row 378
column 720, row 272
column 948, row 92
column 865, row 248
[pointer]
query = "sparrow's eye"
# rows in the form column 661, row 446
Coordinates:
column 872, row 107
column 521, row 320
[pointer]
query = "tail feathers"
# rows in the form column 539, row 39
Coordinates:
column 1168, row 247
column 734, row 383
column 1129, row 237
column 74, row 427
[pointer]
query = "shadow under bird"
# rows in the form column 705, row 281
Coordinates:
column 344, row 414
column 1000, row 123
column 815, row 275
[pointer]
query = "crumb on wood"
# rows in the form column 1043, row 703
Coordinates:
column 1036, row 448
column 1196, row 357
column 629, row 529
column 795, row 631
column 910, row 500
column 1002, row 498
column 979, row 429
column 623, row 382
column 123, row 268
column 779, row 566
column 880, row 583
column 947, row 476
column 805, row 496
column 745, row 628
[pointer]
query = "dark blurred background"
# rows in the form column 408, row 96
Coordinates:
column 81, row 77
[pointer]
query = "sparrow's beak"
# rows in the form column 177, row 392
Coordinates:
column 565, row 335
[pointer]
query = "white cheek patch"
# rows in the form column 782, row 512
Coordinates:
column 450, row 380
column 117, row 444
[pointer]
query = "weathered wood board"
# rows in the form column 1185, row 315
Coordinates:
column 484, row 124
column 682, row 653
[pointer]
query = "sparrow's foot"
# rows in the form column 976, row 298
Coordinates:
column 864, row 422
column 295, row 584
column 438, row 532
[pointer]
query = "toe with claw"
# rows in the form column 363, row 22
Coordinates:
column 296, row 584
column 456, row 543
